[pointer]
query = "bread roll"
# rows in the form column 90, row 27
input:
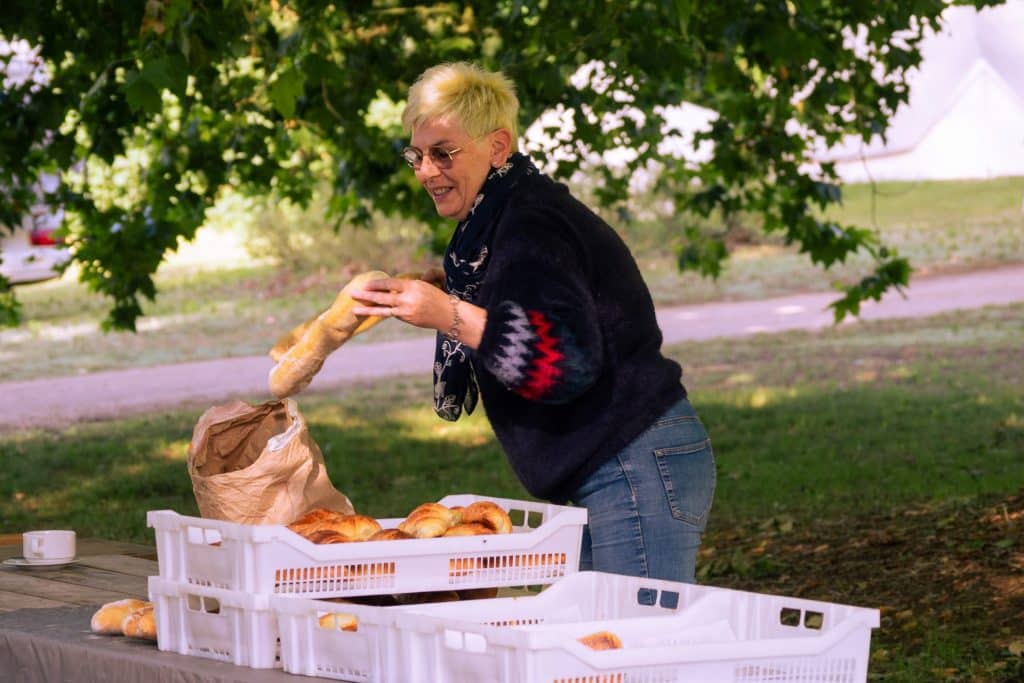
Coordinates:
column 390, row 535
column 339, row 621
column 317, row 339
column 140, row 623
column 602, row 640
column 489, row 513
column 109, row 617
column 469, row 529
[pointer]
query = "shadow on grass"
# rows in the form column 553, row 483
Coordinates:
column 806, row 454
column 898, row 496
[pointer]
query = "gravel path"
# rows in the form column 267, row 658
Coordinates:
column 101, row 395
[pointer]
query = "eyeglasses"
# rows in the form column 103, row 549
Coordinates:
column 439, row 156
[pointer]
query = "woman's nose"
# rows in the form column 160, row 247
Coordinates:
column 427, row 169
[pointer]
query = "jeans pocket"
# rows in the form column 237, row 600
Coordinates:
column 688, row 475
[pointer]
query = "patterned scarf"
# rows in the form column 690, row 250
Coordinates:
column 465, row 263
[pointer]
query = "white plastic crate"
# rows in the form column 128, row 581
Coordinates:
column 367, row 655
column 229, row 626
column 271, row 559
column 671, row 632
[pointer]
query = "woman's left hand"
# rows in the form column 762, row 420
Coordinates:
column 413, row 301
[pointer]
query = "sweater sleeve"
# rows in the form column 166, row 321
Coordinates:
column 542, row 339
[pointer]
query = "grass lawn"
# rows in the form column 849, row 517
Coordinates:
column 242, row 307
column 880, row 464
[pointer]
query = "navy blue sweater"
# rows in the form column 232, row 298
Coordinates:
column 570, row 365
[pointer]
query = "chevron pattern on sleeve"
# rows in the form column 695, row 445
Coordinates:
column 535, row 357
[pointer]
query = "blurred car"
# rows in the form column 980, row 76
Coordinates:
column 33, row 252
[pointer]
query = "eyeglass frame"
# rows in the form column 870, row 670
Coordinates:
column 437, row 156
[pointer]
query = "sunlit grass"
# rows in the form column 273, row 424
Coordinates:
column 806, row 423
column 832, row 427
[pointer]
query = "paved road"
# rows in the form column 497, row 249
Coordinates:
column 58, row 401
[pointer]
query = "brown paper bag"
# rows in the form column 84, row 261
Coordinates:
column 258, row 465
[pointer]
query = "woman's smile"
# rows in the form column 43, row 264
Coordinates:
column 453, row 189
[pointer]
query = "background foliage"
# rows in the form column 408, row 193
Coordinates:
column 152, row 108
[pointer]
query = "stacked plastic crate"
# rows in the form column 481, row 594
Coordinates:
column 217, row 579
column 264, row 597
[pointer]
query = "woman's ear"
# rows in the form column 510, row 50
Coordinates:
column 501, row 147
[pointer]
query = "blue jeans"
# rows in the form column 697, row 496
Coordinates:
column 648, row 506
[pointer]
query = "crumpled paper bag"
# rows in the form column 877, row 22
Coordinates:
column 257, row 464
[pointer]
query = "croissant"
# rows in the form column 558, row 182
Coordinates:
column 326, row 536
column 602, row 640
column 468, row 529
column 428, row 520
column 390, row 535
column 489, row 513
column 316, row 519
column 109, row 617
column 357, row 527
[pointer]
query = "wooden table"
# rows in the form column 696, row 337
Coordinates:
column 44, row 623
column 104, row 571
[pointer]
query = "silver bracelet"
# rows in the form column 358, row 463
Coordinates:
column 453, row 331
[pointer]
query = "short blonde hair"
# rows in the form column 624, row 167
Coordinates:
column 481, row 101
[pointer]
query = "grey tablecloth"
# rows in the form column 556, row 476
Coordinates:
column 55, row 646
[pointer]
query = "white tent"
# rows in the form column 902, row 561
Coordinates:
column 965, row 115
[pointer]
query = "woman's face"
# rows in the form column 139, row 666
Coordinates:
column 453, row 190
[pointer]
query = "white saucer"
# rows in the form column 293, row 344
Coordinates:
column 38, row 564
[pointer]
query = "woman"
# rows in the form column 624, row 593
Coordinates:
column 547, row 318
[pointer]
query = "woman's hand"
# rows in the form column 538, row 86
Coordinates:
column 423, row 305
column 414, row 301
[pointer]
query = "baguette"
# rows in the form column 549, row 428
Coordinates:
column 309, row 344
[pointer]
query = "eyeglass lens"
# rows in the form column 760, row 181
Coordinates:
column 442, row 158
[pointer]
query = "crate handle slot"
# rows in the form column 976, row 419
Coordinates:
column 200, row 536
column 534, row 519
column 200, row 603
column 814, row 620
column 789, row 616
column 474, row 643
column 338, row 621
column 517, row 517
column 669, row 600
column 647, row 597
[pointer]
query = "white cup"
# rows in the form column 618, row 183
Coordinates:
column 51, row 545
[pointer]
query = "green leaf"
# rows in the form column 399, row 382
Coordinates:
column 169, row 72
column 141, row 95
column 285, row 89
